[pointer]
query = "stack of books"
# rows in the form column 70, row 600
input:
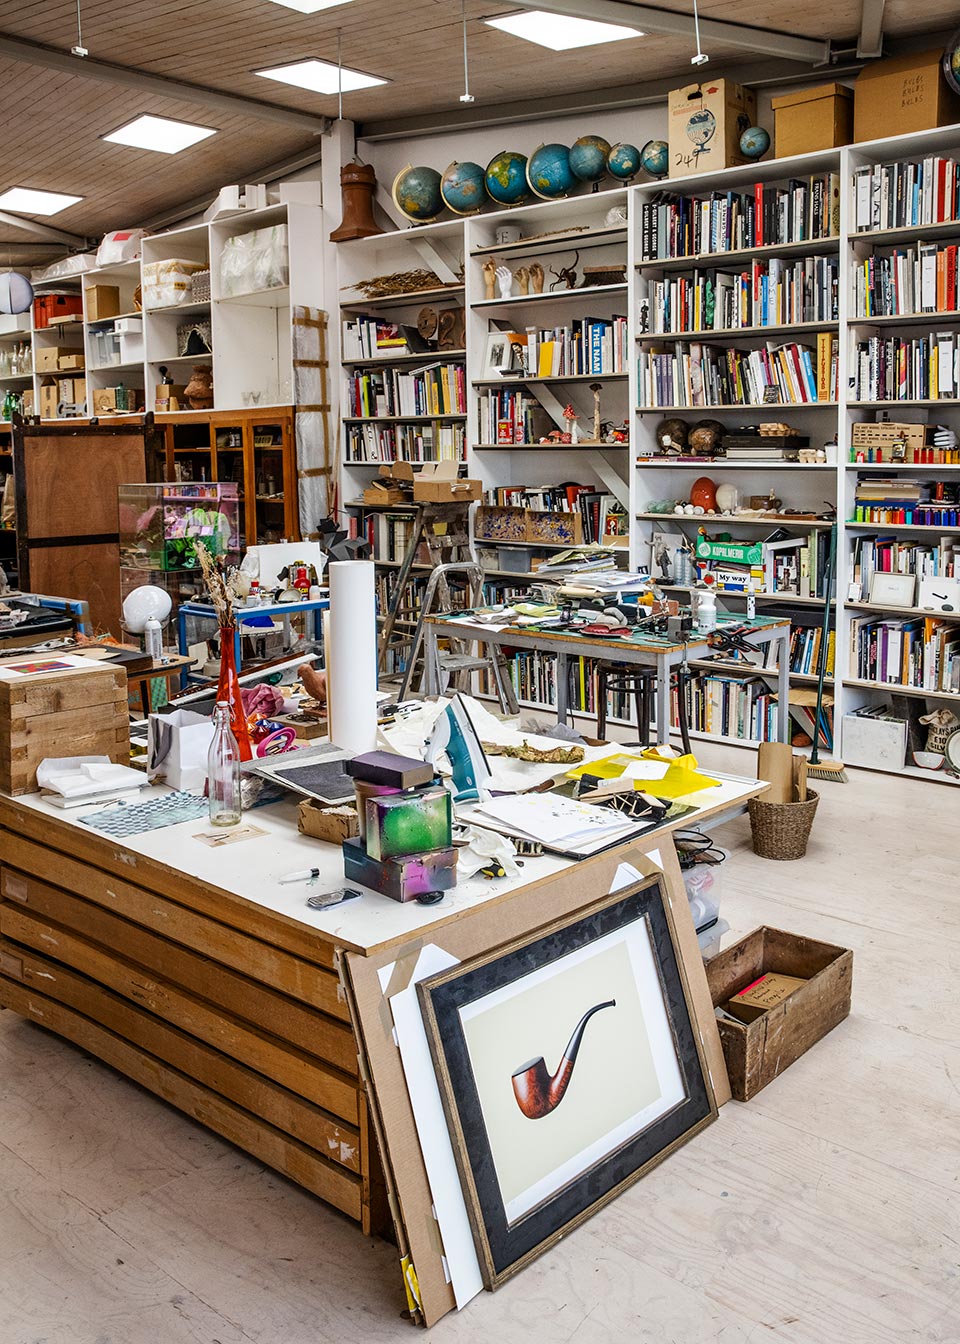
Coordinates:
column 904, row 195
column 709, row 375
column 368, row 337
column 746, row 446
column 898, row 368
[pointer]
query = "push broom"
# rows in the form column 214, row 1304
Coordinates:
column 817, row 769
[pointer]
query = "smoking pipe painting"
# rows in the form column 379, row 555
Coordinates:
column 536, row 1092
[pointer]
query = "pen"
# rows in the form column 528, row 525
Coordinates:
column 304, row 876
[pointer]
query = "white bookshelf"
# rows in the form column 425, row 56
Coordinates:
column 579, row 223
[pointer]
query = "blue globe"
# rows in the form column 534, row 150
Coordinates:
column 463, row 188
column 506, row 177
column 951, row 62
column 655, row 158
column 416, row 191
column 548, row 172
column 754, row 142
column 588, row 157
column 623, row 162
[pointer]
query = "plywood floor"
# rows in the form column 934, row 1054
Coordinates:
column 826, row 1210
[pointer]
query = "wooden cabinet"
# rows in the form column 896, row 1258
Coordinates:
column 256, row 448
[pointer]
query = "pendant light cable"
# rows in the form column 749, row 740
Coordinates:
column 466, row 96
column 79, row 49
column 701, row 57
column 340, row 73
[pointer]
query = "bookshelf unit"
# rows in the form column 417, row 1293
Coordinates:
column 579, row 223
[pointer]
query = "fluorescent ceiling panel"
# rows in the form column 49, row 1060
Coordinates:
column 29, row 201
column 560, row 32
column 310, row 6
column 160, row 134
column 321, row 77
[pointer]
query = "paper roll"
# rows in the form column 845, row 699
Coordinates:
column 351, row 656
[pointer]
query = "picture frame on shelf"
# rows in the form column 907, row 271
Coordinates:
column 496, row 354
column 598, row 1006
column 892, row 590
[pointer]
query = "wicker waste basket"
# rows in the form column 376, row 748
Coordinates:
column 781, row 830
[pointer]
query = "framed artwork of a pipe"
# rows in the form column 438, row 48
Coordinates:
column 568, row 1065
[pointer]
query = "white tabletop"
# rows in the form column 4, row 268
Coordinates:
column 252, row 868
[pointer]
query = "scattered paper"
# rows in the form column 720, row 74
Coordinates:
column 86, row 776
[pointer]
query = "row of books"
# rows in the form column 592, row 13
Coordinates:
column 590, row 345
column 710, row 375
column 406, row 443
column 388, row 533
column 921, row 279
column 770, row 293
column 729, row 706
column 367, row 337
column 534, row 677
column 440, row 389
column 923, row 652
column 900, row 368
column 510, row 415
column 904, row 195
column 890, row 555
column 732, row 221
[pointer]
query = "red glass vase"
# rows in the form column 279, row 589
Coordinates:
column 228, row 689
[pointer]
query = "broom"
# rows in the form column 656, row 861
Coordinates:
column 817, row 769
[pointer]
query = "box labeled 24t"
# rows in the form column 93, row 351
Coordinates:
column 706, row 122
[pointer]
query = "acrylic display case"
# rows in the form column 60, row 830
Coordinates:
column 160, row 524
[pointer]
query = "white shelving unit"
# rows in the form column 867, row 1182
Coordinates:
column 580, row 223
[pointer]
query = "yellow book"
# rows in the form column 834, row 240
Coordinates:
column 446, row 408
column 545, row 363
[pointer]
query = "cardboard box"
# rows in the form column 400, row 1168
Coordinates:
column 46, row 358
column 80, row 710
column 103, row 301
column 768, row 991
column 705, row 123
column 871, row 434
column 169, row 397
column 439, row 483
column 332, row 824
column 902, row 95
column 70, row 362
column 812, row 119
column 72, row 390
column 122, row 399
column 756, row 1052
column 29, row 402
column 49, row 399
column 389, row 487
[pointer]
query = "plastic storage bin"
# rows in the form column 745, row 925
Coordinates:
column 169, row 283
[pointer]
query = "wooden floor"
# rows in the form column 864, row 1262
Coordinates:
column 827, row 1210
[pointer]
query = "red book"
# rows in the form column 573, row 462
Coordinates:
column 952, row 303
column 758, row 213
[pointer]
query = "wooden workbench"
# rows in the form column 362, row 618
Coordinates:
column 193, row 971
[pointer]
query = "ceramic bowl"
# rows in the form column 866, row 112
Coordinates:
column 928, row 760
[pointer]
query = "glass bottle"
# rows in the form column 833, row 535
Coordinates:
column 223, row 770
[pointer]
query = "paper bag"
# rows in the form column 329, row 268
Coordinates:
column 177, row 747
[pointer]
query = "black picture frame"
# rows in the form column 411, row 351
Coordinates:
column 505, row 1247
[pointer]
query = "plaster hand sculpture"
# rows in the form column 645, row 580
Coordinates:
column 505, row 281
column 490, row 277
column 522, row 277
column 596, row 389
column 536, row 277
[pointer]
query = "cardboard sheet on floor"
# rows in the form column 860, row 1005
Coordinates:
column 429, row 1266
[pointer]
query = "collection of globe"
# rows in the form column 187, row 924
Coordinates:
column 510, row 178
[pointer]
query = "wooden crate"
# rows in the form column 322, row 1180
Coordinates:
column 552, row 529
column 500, row 522
column 757, row 1052
column 79, row 711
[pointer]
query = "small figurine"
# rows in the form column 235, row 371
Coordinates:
column 490, row 277
column 566, row 275
column 504, row 281
column 522, row 277
column 536, row 277
column 570, row 416
column 596, row 389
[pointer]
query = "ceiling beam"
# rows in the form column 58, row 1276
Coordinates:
column 54, row 58
column 762, row 74
column 870, row 41
column 44, row 231
column 663, row 21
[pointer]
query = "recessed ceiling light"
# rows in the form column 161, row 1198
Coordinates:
column 159, row 133
column 321, row 77
column 560, row 32
column 30, row 201
column 310, row 6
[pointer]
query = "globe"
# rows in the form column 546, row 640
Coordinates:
column 16, row 293
column 951, row 62
column 548, row 172
column 462, row 188
column 754, row 142
column 416, row 191
column 506, row 177
column 655, row 158
column 588, row 157
column 623, row 162
column 142, row 603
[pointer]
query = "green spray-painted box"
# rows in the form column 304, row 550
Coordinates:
column 412, row 822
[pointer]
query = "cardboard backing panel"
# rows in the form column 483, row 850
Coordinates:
column 483, row 929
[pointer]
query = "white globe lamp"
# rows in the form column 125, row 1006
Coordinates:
column 143, row 603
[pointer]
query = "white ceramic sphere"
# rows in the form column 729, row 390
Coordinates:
column 144, row 602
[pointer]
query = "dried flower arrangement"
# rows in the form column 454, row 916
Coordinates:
column 223, row 586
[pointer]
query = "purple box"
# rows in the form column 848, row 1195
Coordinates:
column 400, row 879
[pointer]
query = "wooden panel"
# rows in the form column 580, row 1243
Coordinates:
column 284, row 1017
column 60, row 470
column 336, row 1141
column 216, row 923
column 92, row 572
column 339, row 1187
column 292, row 1068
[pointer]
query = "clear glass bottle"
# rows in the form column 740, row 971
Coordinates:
column 223, row 770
